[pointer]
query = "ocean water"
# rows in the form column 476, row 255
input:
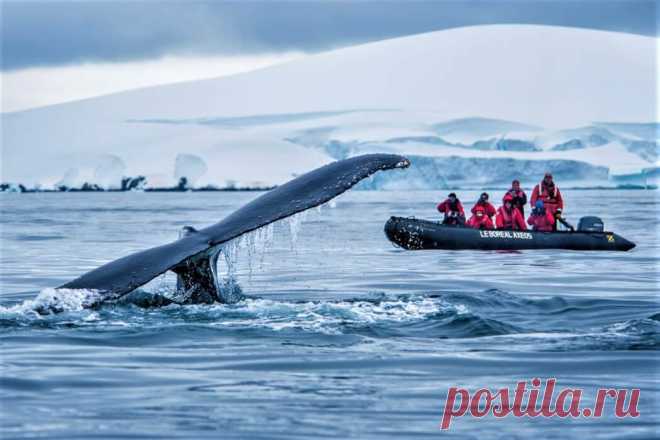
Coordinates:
column 342, row 334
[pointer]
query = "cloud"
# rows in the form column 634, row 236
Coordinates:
column 60, row 33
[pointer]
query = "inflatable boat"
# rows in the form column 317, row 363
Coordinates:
column 412, row 233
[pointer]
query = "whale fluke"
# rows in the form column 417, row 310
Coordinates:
column 193, row 255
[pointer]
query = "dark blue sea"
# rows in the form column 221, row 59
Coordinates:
column 342, row 336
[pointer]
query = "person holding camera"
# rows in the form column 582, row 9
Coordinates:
column 452, row 210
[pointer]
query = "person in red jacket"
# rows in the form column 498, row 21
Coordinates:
column 479, row 219
column 519, row 196
column 486, row 206
column 540, row 219
column 549, row 193
column 509, row 217
column 453, row 211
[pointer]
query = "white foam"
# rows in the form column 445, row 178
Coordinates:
column 55, row 300
column 328, row 317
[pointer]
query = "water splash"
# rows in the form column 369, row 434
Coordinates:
column 251, row 248
column 337, row 317
column 254, row 244
column 295, row 223
column 265, row 239
column 329, row 317
column 376, row 316
column 55, row 301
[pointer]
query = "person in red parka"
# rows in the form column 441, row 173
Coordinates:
column 486, row 206
column 509, row 217
column 519, row 196
column 479, row 219
column 549, row 193
column 453, row 211
column 540, row 219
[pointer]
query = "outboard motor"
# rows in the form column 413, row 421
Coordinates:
column 591, row 224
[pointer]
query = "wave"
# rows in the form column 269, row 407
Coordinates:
column 379, row 316
column 493, row 319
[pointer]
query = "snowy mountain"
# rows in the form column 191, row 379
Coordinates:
column 474, row 106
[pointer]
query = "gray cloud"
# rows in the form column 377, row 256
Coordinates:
column 57, row 33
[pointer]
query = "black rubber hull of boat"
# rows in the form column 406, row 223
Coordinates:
column 414, row 234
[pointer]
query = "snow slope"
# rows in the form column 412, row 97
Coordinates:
column 485, row 92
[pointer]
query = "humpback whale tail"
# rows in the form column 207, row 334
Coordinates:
column 194, row 255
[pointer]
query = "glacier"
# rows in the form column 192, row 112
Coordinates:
column 453, row 172
column 472, row 106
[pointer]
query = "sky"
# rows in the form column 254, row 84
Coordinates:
column 57, row 51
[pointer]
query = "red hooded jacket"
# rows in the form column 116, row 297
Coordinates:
column 488, row 208
column 510, row 219
column 446, row 208
column 543, row 222
column 480, row 221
